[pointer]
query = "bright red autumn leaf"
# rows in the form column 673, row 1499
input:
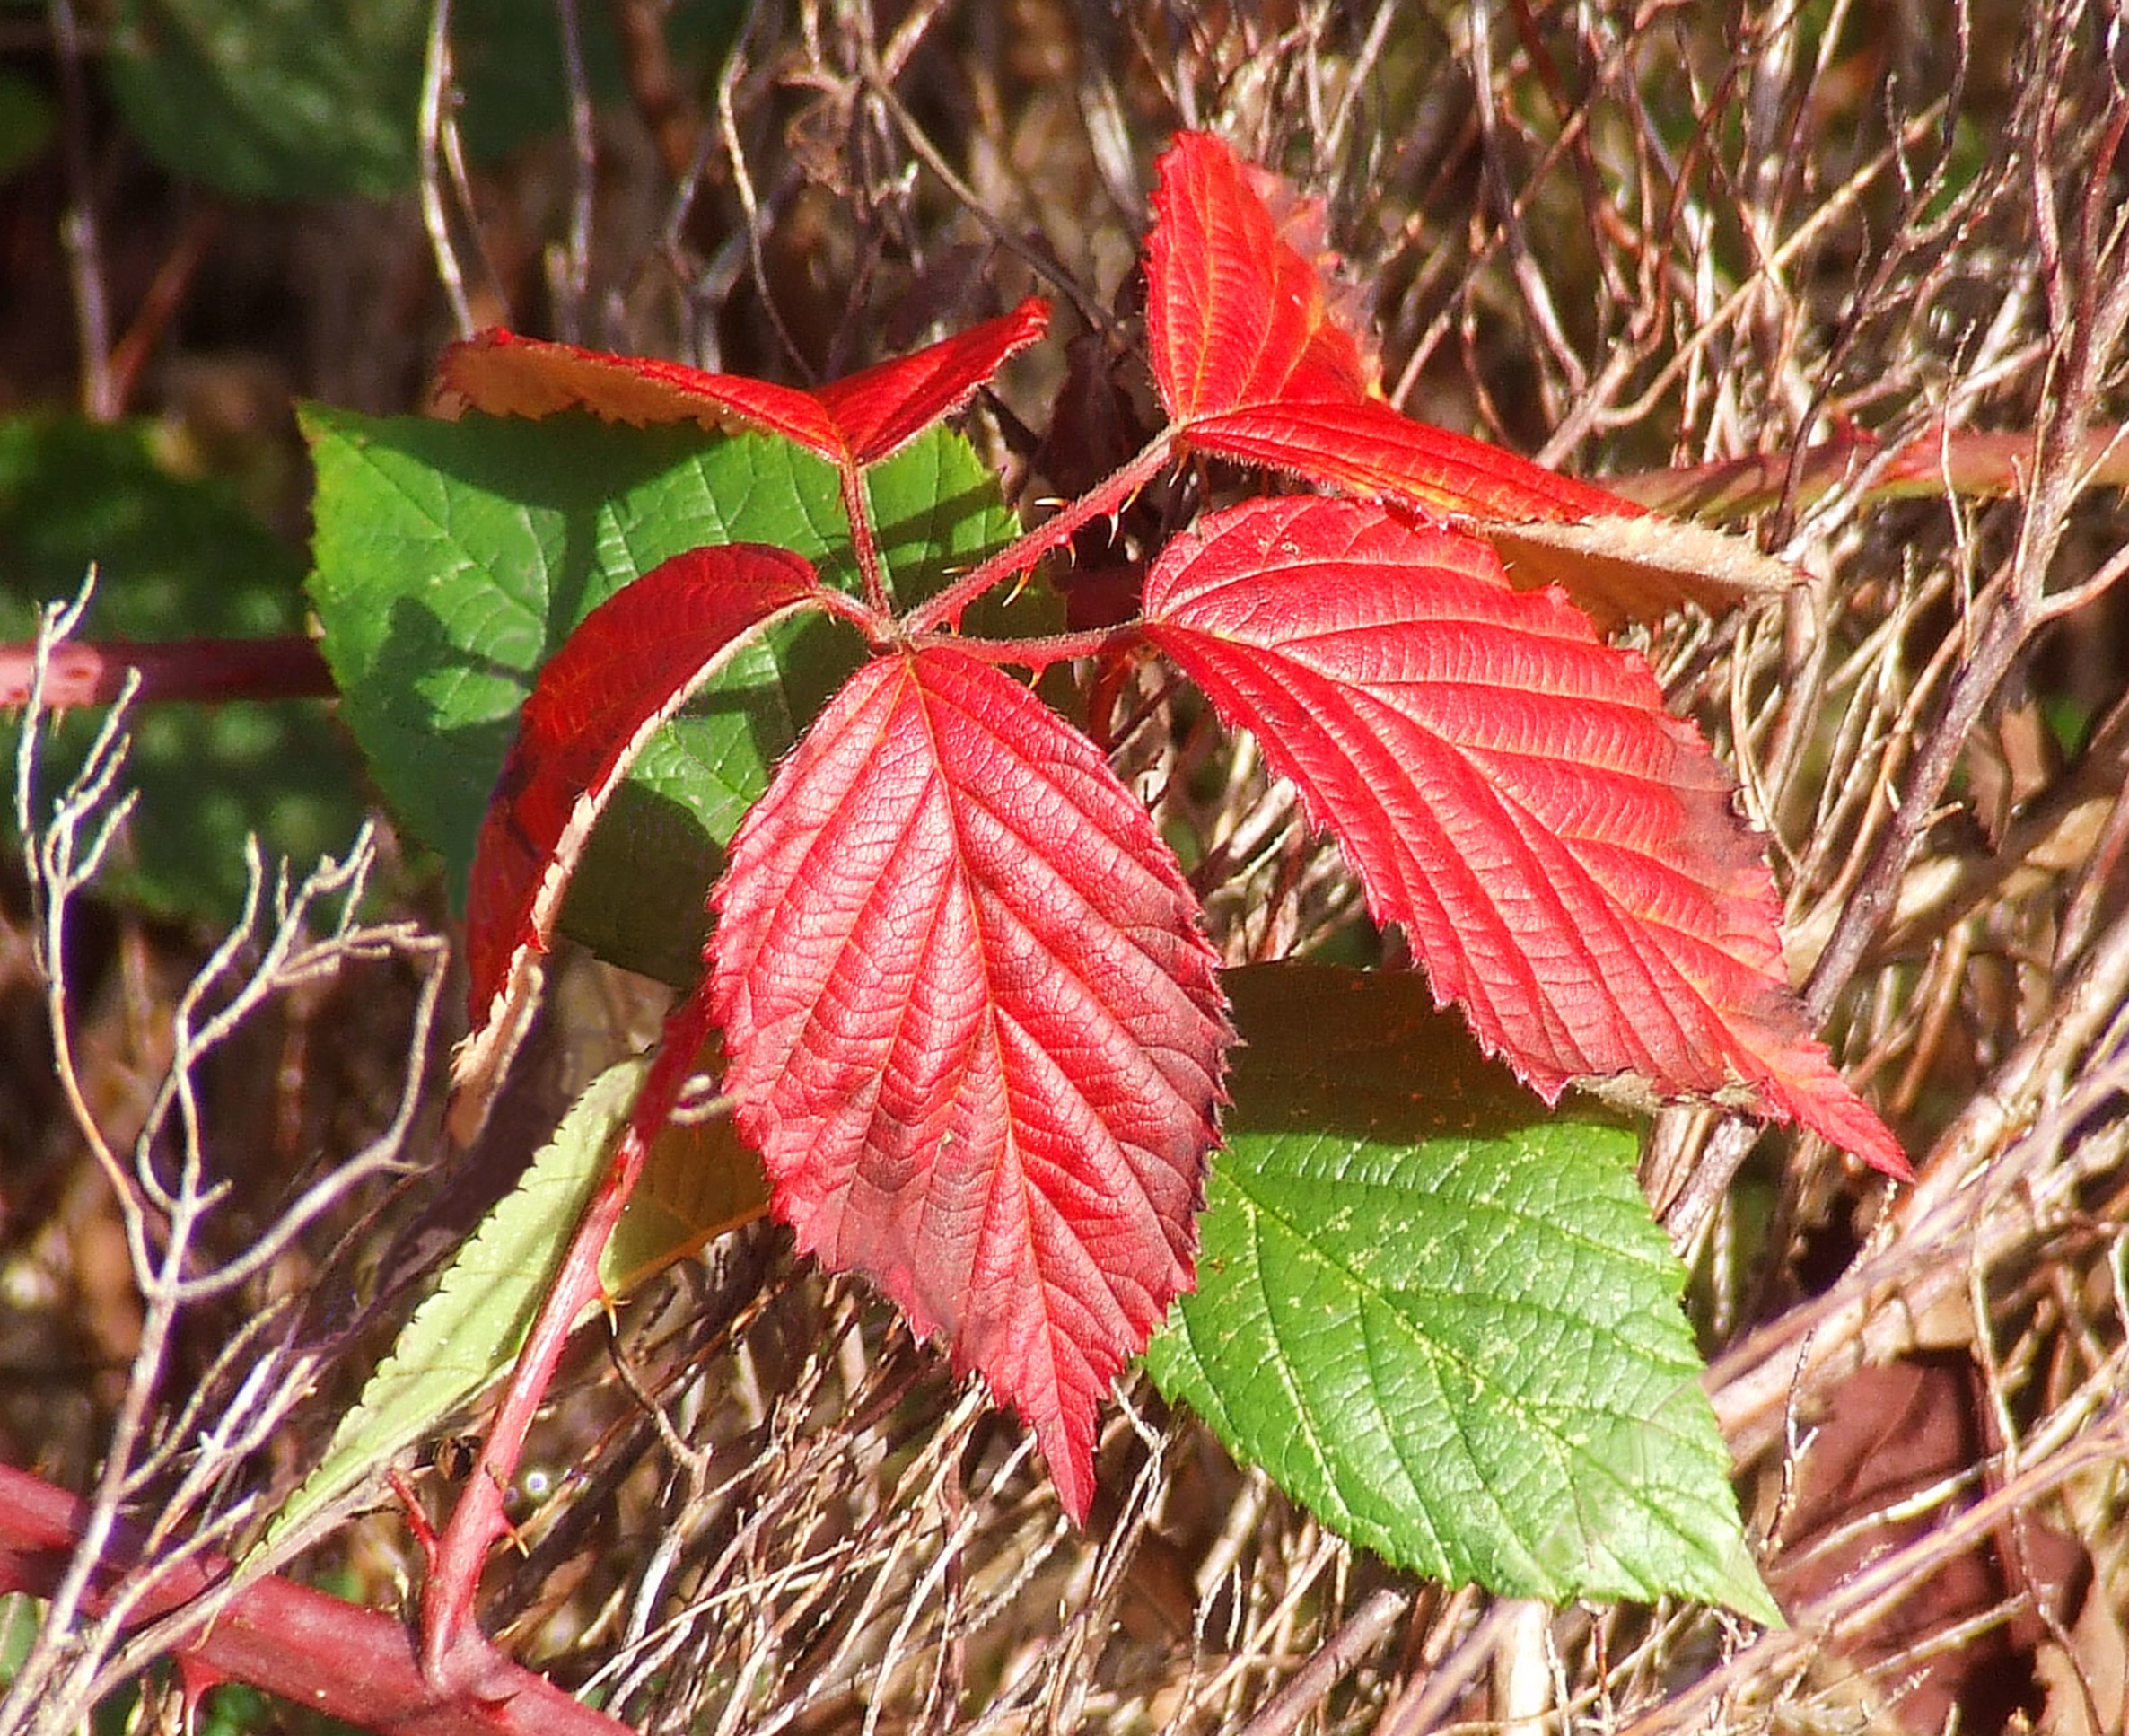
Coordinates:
column 974, row 1032
column 1561, row 850
column 628, row 667
column 1253, row 364
column 859, row 419
column 1367, row 448
column 1235, row 316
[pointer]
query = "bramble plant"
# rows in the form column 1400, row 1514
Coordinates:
column 969, row 1020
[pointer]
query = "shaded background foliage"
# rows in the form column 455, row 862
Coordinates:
column 1836, row 241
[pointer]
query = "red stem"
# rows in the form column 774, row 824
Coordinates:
column 456, row 1656
column 1018, row 556
column 81, row 673
column 863, row 544
column 313, row 1651
column 1038, row 654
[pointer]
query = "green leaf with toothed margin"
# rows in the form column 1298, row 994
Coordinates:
column 1442, row 1318
column 697, row 1182
column 452, row 559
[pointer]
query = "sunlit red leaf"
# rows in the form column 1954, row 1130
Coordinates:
column 861, row 418
column 886, row 405
column 1235, row 316
column 1560, row 849
column 1368, row 449
column 974, row 1032
column 1254, row 364
column 632, row 664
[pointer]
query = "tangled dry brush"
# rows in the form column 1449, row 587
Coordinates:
column 1861, row 273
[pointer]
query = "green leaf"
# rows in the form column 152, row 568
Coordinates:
column 1444, row 1319
column 305, row 99
column 453, row 557
column 176, row 556
column 698, row 1180
column 27, row 119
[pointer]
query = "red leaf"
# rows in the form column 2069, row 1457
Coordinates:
column 1509, row 788
column 886, row 405
column 504, row 375
column 1235, row 316
column 1253, row 363
column 860, row 418
column 1614, row 560
column 631, row 663
column 974, row 1032
column 1368, row 449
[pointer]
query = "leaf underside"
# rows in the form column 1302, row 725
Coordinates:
column 1560, row 849
column 861, row 418
column 1442, row 1321
column 630, row 665
column 974, row 1032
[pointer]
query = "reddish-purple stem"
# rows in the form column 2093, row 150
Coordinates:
column 1018, row 556
column 1037, row 655
column 313, row 1651
column 455, row 1655
column 82, row 673
column 863, row 544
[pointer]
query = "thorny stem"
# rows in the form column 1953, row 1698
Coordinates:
column 162, row 1209
column 1019, row 556
column 313, row 1649
column 1036, row 655
column 456, row 1657
column 863, row 543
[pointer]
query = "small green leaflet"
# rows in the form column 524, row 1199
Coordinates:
column 698, row 1180
column 452, row 557
column 1442, row 1318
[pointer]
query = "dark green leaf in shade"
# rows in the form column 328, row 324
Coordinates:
column 27, row 121
column 1442, row 1318
column 305, row 99
column 177, row 557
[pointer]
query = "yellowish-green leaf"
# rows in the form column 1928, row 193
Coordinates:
column 699, row 1180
